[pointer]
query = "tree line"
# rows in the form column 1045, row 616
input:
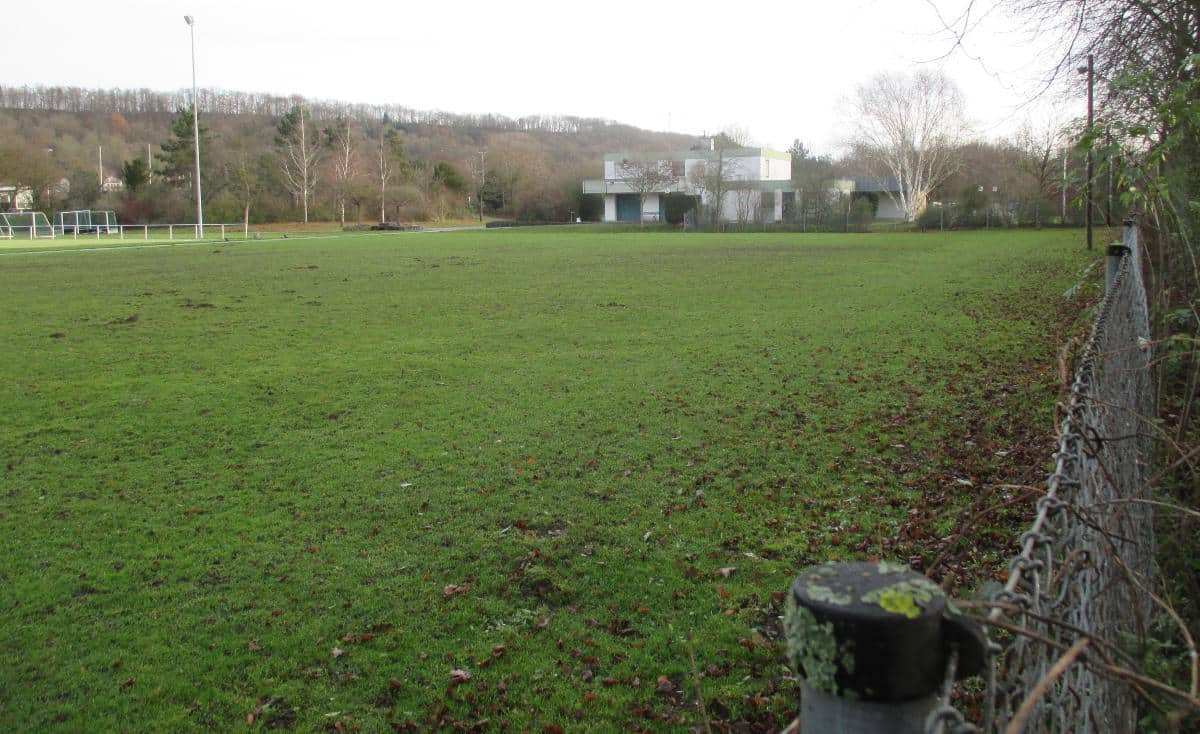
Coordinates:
column 266, row 158
column 271, row 158
column 228, row 102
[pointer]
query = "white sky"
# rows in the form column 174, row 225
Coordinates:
column 777, row 69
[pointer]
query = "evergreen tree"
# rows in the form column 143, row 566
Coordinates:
column 177, row 157
column 134, row 174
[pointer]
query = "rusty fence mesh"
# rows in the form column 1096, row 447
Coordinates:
column 1069, row 624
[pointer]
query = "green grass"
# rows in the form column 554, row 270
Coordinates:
column 524, row 454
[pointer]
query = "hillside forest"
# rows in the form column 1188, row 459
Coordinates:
column 269, row 159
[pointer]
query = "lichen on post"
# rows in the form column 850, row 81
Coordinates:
column 870, row 642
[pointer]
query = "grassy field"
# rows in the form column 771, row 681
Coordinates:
column 516, row 478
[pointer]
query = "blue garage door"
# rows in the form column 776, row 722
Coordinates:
column 628, row 208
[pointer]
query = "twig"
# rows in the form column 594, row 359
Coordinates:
column 1156, row 503
column 1133, row 679
column 1104, row 648
column 975, row 516
column 1017, row 724
column 696, row 682
column 1183, row 628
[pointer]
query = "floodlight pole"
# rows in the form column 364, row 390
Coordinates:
column 196, row 130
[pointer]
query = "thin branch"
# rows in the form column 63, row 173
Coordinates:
column 1017, row 724
column 1155, row 503
column 1116, row 671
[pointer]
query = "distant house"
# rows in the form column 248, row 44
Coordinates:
column 885, row 190
column 758, row 185
column 15, row 198
column 756, row 180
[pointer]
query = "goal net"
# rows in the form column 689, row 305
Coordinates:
column 25, row 225
column 85, row 221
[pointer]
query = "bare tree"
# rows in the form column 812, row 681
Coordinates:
column 390, row 160
column 479, row 176
column 1039, row 145
column 715, row 177
column 735, row 135
column 1144, row 55
column 746, row 202
column 909, row 127
column 517, row 164
column 360, row 192
column 645, row 177
column 30, row 166
column 299, row 154
column 812, row 177
column 242, row 169
column 339, row 138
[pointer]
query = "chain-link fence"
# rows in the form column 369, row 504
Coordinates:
column 1069, row 626
column 1069, row 631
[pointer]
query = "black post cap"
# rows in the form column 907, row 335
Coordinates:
column 876, row 632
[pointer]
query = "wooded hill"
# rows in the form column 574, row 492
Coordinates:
column 358, row 160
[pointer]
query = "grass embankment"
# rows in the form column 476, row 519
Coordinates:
column 297, row 484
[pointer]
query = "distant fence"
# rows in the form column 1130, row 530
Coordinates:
column 1067, row 632
column 77, row 231
column 153, row 231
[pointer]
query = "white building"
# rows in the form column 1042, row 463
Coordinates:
column 15, row 198
column 753, row 181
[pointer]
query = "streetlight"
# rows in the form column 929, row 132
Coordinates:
column 196, row 129
column 1090, row 71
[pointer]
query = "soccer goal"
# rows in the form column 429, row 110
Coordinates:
column 85, row 221
column 105, row 221
column 20, row 225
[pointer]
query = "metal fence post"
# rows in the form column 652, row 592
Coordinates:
column 1112, row 265
column 1114, row 253
column 1129, row 237
column 871, row 642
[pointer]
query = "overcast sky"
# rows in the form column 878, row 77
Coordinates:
column 777, row 69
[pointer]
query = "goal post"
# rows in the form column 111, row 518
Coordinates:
column 26, row 225
column 85, row 221
column 105, row 221
column 73, row 222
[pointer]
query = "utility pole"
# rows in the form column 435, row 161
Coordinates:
column 1063, row 204
column 1109, row 170
column 482, row 178
column 1090, row 71
column 100, row 166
